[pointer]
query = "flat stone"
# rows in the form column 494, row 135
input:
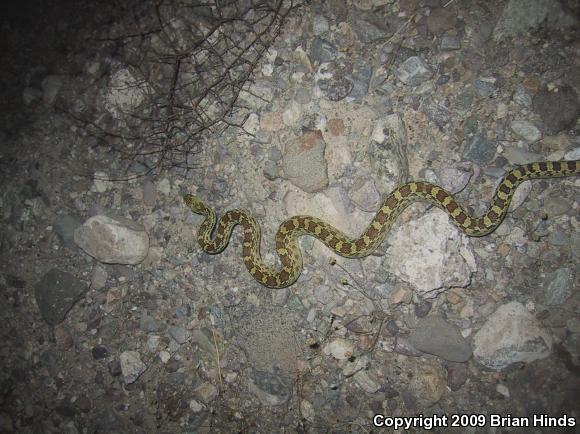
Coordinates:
column 436, row 336
column 113, row 240
column 511, row 335
column 56, row 293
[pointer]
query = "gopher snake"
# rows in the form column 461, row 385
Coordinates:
column 286, row 237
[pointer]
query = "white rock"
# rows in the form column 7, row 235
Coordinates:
column 430, row 253
column 125, row 93
column 510, row 335
column 131, row 366
column 526, row 130
column 340, row 349
column 292, row 114
column 101, row 182
column 113, row 240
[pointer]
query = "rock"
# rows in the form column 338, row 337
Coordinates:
column 366, row 31
column 366, row 196
column 360, row 78
column 450, row 42
column 100, row 352
column 480, row 150
column 304, row 164
column 147, row 323
column 436, row 336
column 428, row 385
column 559, row 109
column 51, row 85
column 99, row 277
column 322, row 51
column 65, row 227
column 149, row 192
column 101, row 182
column 510, row 335
column 131, row 366
column 523, row 97
column 453, row 177
column 558, row 286
column 179, row 334
column 206, row 392
column 334, row 79
column 486, row 86
column 320, row 25
column 440, row 20
column 271, row 388
column 457, row 374
column 340, row 349
column 56, row 293
column 125, row 93
column 271, row 121
column 292, row 114
column 437, row 111
column 113, row 240
column 516, row 156
column 526, row 130
column 367, row 382
column 520, row 16
column 430, row 253
column 414, row 71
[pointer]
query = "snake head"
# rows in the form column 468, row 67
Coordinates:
column 195, row 204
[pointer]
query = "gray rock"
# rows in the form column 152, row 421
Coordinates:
column 414, row 71
column 464, row 101
column 51, row 85
column 65, row 227
column 522, row 97
column 437, row 111
column 271, row 388
column 131, row 366
column 558, row 286
column 206, row 392
column 441, row 20
column 480, row 150
column 149, row 193
column 271, row 170
column 304, row 164
column 148, row 324
column 367, row 382
column 179, row 334
column 450, row 42
column 558, row 110
column 366, row 195
column 520, row 16
column 319, row 25
column 360, row 78
column 56, row 293
column 322, row 51
column 526, row 130
column 517, row 155
column 335, row 89
column 113, row 240
column 436, row 336
column 366, row 31
column 453, row 177
column 485, row 87
column 510, row 335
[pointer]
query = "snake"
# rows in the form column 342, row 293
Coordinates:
column 287, row 235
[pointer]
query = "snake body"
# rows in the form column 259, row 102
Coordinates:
column 288, row 232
